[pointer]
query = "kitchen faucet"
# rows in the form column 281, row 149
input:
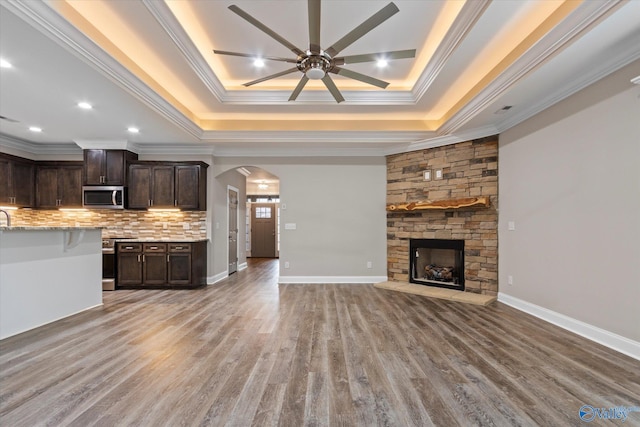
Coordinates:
column 8, row 217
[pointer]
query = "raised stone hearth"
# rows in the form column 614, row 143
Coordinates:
column 468, row 170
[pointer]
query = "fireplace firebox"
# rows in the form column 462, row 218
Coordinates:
column 437, row 262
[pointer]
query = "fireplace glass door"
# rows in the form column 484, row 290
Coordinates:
column 437, row 262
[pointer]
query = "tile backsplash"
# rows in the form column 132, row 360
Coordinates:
column 120, row 223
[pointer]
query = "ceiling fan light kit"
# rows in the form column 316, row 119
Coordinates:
column 317, row 64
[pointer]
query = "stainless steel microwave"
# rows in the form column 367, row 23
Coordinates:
column 104, row 197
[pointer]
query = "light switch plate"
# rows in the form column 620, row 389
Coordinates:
column 290, row 226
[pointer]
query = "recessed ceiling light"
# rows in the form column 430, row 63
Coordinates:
column 85, row 105
column 133, row 130
column 382, row 63
column 258, row 62
column 35, row 129
column 5, row 64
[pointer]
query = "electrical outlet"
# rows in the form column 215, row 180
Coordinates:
column 369, row 264
column 511, row 225
column 286, row 264
column 510, row 280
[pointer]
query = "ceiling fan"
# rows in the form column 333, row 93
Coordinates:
column 316, row 63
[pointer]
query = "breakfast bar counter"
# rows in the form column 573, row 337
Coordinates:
column 47, row 273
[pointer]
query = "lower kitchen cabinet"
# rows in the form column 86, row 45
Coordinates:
column 161, row 264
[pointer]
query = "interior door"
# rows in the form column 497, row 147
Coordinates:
column 263, row 230
column 233, row 231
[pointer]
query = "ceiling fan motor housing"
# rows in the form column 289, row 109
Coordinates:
column 315, row 66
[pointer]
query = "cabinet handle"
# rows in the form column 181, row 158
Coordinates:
column 142, row 258
column 168, row 257
column 175, row 203
column 138, row 258
column 128, row 247
column 178, row 248
column 153, row 247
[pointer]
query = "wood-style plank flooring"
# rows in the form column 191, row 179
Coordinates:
column 248, row 351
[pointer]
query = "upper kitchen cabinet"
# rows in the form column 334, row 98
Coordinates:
column 17, row 178
column 59, row 185
column 107, row 167
column 180, row 185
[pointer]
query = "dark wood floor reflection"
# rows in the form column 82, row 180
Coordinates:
column 247, row 351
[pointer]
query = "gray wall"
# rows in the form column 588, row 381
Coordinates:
column 570, row 180
column 338, row 206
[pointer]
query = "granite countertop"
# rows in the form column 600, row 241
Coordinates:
column 159, row 240
column 47, row 228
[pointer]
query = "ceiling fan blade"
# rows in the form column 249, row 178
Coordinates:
column 314, row 26
column 265, row 29
column 246, row 55
column 361, row 77
column 272, row 76
column 376, row 19
column 371, row 57
column 332, row 88
column 298, row 89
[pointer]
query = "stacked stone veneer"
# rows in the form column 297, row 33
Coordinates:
column 470, row 169
column 120, row 223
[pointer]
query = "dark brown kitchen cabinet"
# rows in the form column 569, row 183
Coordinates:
column 107, row 167
column 17, row 180
column 129, row 264
column 154, row 264
column 59, row 185
column 179, row 264
column 168, row 185
column 151, row 186
column 161, row 264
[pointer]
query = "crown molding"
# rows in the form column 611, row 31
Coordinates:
column 587, row 14
column 45, row 19
column 336, row 137
column 192, row 55
column 462, row 25
column 315, row 97
column 622, row 58
column 36, row 149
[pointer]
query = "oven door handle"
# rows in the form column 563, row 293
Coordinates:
column 113, row 197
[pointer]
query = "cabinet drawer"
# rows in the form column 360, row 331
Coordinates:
column 129, row 247
column 155, row 247
column 179, row 247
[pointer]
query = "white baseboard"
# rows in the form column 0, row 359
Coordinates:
column 616, row 342
column 242, row 266
column 217, row 277
column 330, row 279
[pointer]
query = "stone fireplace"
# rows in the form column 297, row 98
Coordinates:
column 467, row 170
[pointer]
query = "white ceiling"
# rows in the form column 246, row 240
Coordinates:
column 149, row 64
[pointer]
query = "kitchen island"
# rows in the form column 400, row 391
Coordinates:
column 46, row 274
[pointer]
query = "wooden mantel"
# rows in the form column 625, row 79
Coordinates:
column 440, row 204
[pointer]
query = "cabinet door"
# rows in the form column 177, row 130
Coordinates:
column 155, row 269
column 47, row 187
column 70, row 186
column 163, row 187
column 187, row 186
column 114, row 167
column 179, row 264
column 5, row 181
column 94, row 167
column 129, row 269
column 23, row 184
column 139, row 186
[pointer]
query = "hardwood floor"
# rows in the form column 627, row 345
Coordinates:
column 247, row 351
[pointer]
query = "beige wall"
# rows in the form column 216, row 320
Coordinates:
column 338, row 206
column 570, row 181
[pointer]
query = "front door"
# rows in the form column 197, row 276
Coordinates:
column 233, row 231
column 263, row 230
